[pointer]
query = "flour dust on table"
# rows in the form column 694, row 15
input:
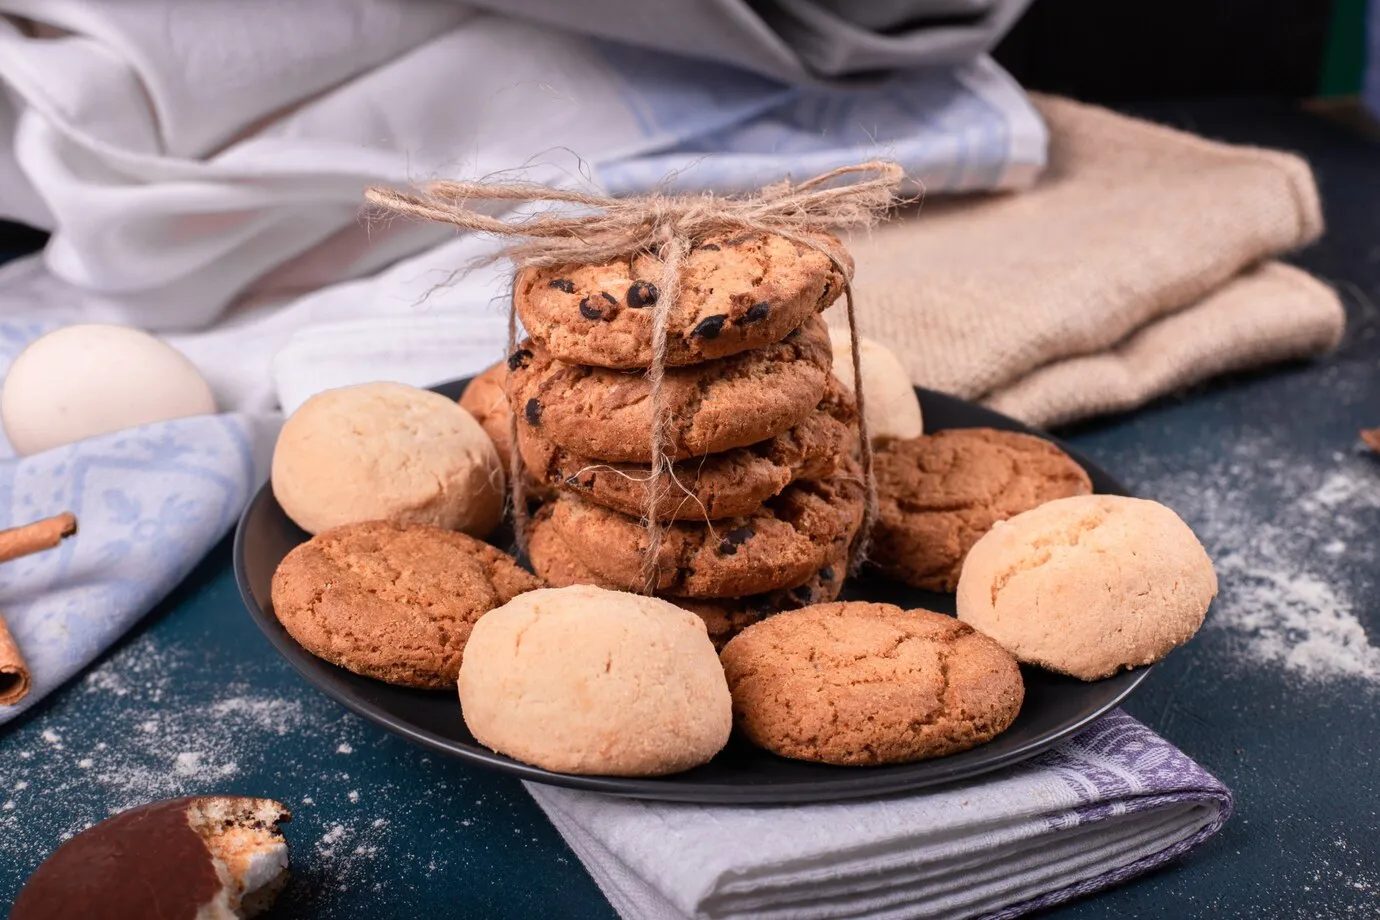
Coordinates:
column 155, row 746
column 1290, row 582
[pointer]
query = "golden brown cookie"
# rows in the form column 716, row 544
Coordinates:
column 724, row 617
column 710, row 407
column 485, row 400
column 390, row 601
column 939, row 493
column 864, row 684
column 730, row 484
column 780, row 545
column 738, row 292
column 1089, row 585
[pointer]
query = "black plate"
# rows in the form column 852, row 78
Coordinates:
column 1055, row 707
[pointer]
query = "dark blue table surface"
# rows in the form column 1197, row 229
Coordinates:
column 1266, row 467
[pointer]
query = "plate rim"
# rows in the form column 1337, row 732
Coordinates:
column 863, row 784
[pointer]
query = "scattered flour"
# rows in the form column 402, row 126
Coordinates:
column 158, row 745
column 344, row 749
column 1296, row 542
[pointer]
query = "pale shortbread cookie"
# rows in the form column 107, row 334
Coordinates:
column 586, row 680
column 893, row 409
column 1088, row 585
column 386, row 451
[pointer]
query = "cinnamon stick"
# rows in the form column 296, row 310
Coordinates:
column 15, row 543
column 1372, row 438
column 35, row 537
column 14, row 673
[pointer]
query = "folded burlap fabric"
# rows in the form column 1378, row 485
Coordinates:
column 1133, row 268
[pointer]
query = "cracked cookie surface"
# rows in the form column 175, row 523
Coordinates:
column 710, row 407
column 1089, row 585
column 390, row 601
column 583, row 680
column 724, row 485
column 780, row 545
column 738, row 292
column 862, row 684
column 939, row 493
column 386, row 451
column 724, row 617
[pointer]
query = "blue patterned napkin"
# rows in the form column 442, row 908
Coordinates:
column 150, row 502
column 1112, row 803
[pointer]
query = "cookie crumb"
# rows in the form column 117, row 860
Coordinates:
column 1372, row 438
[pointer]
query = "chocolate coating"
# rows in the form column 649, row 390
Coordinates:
column 146, row 862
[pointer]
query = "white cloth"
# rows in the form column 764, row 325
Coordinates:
column 1111, row 803
column 201, row 165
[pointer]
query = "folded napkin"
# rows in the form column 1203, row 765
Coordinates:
column 1137, row 265
column 1115, row 801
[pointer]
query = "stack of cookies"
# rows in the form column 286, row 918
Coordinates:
column 765, row 495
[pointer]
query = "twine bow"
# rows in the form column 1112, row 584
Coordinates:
column 603, row 228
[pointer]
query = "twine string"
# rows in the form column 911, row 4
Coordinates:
column 603, row 228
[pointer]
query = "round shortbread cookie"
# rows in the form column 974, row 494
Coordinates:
column 584, row 680
column 1089, row 585
column 390, row 601
column 711, row 407
column 737, row 292
column 864, row 684
column 939, row 493
column 386, row 451
column 893, row 408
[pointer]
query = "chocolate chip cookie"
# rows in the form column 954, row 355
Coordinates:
column 710, row 407
column 485, row 400
column 939, row 493
column 725, row 485
column 737, row 292
column 860, row 684
column 724, row 617
column 394, row 602
column 780, row 545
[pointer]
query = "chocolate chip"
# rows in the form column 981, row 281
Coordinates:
column 518, row 359
column 642, row 294
column 756, row 313
column 572, row 480
column 592, row 308
column 826, row 573
column 825, row 293
column 710, row 327
column 532, row 411
column 564, row 285
column 740, row 238
column 803, row 594
column 709, row 247
column 734, row 539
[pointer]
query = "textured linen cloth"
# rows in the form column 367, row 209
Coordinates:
column 1115, row 801
column 1138, row 264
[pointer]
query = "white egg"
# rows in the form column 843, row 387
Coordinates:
column 81, row 381
column 893, row 410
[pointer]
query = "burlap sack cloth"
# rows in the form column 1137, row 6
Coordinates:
column 1138, row 265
